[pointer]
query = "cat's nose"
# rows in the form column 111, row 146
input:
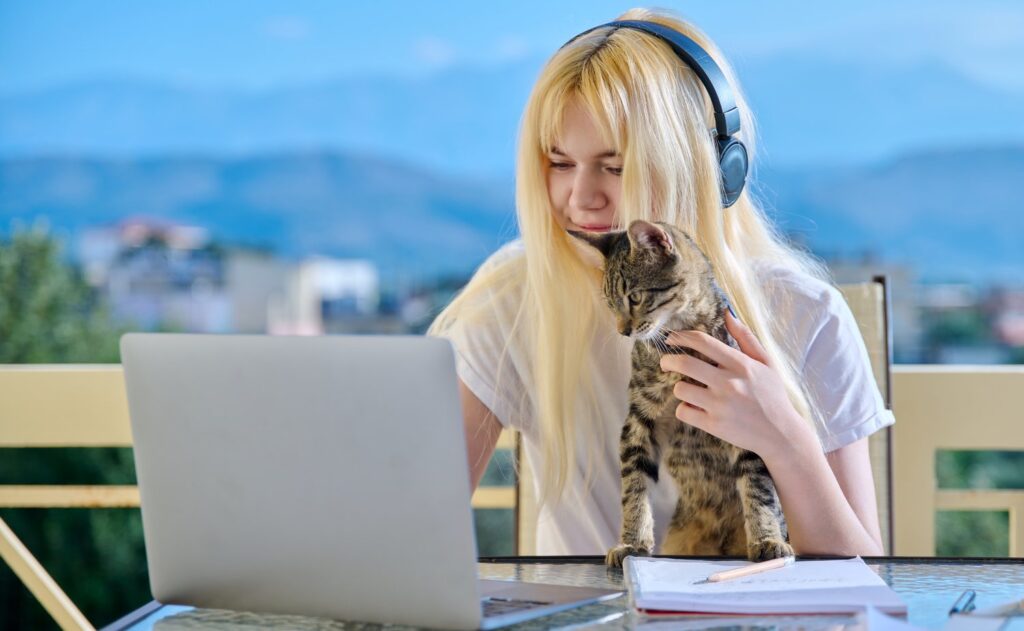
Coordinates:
column 625, row 328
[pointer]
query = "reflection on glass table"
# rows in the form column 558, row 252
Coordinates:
column 929, row 586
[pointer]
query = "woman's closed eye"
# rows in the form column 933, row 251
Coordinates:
column 565, row 166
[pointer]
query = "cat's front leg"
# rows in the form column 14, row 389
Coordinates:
column 639, row 454
column 764, row 522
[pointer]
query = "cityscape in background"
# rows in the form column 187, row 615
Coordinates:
column 159, row 275
column 156, row 275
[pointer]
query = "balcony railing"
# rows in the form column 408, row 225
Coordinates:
column 936, row 407
column 959, row 408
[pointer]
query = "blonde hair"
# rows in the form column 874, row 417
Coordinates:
column 654, row 111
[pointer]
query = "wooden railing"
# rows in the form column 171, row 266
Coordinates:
column 952, row 408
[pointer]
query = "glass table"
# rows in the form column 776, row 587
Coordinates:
column 928, row 585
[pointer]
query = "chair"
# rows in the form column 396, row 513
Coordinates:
column 869, row 302
column 59, row 406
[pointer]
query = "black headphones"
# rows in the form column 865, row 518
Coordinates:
column 732, row 155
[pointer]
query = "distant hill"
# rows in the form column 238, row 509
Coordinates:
column 952, row 215
column 464, row 119
column 409, row 221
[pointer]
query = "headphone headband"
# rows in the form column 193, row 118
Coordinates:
column 727, row 116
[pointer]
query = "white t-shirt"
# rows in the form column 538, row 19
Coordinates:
column 585, row 521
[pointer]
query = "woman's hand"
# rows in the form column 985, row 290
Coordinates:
column 745, row 402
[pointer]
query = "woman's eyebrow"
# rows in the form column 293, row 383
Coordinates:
column 611, row 153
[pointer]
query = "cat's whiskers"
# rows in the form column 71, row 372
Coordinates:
column 655, row 337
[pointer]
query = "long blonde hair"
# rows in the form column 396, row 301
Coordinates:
column 653, row 109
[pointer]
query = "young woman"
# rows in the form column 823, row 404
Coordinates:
column 619, row 128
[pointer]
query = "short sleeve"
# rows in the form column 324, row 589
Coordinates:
column 835, row 365
column 477, row 354
column 488, row 358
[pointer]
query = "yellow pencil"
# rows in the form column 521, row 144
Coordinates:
column 747, row 570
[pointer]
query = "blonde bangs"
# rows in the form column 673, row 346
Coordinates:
column 588, row 82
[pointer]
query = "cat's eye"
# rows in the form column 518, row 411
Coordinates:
column 634, row 298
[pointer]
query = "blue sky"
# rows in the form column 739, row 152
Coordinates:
column 259, row 44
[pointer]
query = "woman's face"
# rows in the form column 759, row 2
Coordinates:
column 584, row 175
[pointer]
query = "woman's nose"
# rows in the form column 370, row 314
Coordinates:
column 587, row 193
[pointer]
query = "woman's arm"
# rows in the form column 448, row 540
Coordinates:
column 828, row 501
column 482, row 429
column 852, row 467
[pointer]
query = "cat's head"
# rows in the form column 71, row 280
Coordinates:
column 652, row 273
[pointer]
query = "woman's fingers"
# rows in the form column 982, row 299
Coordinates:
column 692, row 415
column 745, row 338
column 692, row 367
column 715, row 350
column 697, row 395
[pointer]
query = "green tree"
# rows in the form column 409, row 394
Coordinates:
column 964, row 327
column 48, row 314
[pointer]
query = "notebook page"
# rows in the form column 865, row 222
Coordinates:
column 682, row 577
column 841, row 586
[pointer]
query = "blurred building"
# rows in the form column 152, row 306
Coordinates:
column 157, row 275
column 323, row 295
column 1005, row 308
column 256, row 280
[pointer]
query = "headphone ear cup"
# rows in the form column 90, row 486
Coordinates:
column 732, row 163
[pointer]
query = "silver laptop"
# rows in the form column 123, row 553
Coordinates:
column 322, row 476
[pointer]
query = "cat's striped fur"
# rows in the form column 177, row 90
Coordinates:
column 656, row 280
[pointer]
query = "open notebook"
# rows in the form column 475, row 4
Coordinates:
column 805, row 587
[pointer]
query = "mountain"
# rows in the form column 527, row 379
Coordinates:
column 464, row 119
column 951, row 215
column 955, row 215
column 459, row 121
column 411, row 222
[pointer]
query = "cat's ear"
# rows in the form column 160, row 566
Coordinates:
column 600, row 241
column 650, row 236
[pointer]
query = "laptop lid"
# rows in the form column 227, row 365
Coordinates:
column 287, row 474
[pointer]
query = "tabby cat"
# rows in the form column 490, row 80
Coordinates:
column 656, row 280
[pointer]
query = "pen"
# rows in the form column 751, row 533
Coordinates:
column 964, row 603
column 747, row 570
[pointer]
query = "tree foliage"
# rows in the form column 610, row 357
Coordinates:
column 48, row 314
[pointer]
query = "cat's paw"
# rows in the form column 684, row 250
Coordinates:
column 768, row 549
column 617, row 554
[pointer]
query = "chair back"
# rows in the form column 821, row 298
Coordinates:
column 869, row 302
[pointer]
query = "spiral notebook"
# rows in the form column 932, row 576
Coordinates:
column 805, row 587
